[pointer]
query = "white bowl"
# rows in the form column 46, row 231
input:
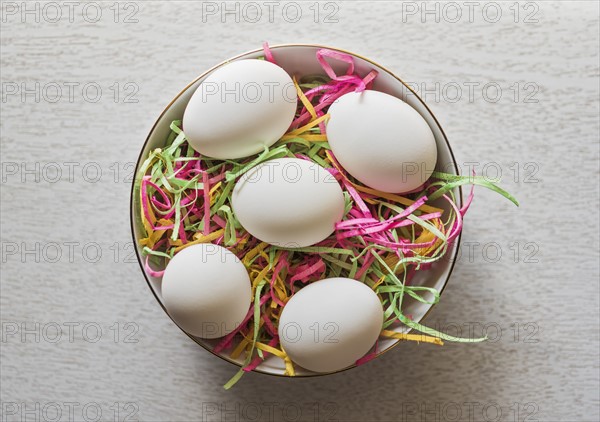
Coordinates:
column 299, row 60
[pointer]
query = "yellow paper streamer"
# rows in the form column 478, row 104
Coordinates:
column 151, row 240
column 305, row 101
column 289, row 367
column 239, row 348
column 253, row 252
column 200, row 238
column 427, row 236
column 294, row 133
column 260, row 275
column 413, row 337
column 374, row 287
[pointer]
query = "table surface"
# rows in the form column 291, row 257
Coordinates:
column 81, row 332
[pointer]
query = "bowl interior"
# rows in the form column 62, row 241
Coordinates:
column 300, row 60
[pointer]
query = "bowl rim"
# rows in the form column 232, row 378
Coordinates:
column 140, row 160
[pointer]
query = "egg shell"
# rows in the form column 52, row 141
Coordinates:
column 288, row 202
column 239, row 109
column 206, row 290
column 381, row 141
column 330, row 324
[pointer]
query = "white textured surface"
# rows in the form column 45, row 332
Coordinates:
column 165, row 376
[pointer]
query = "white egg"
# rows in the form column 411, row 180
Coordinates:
column 288, row 202
column 330, row 324
column 206, row 290
column 239, row 109
column 382, row 141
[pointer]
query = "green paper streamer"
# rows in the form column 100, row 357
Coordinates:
column 454, row 181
